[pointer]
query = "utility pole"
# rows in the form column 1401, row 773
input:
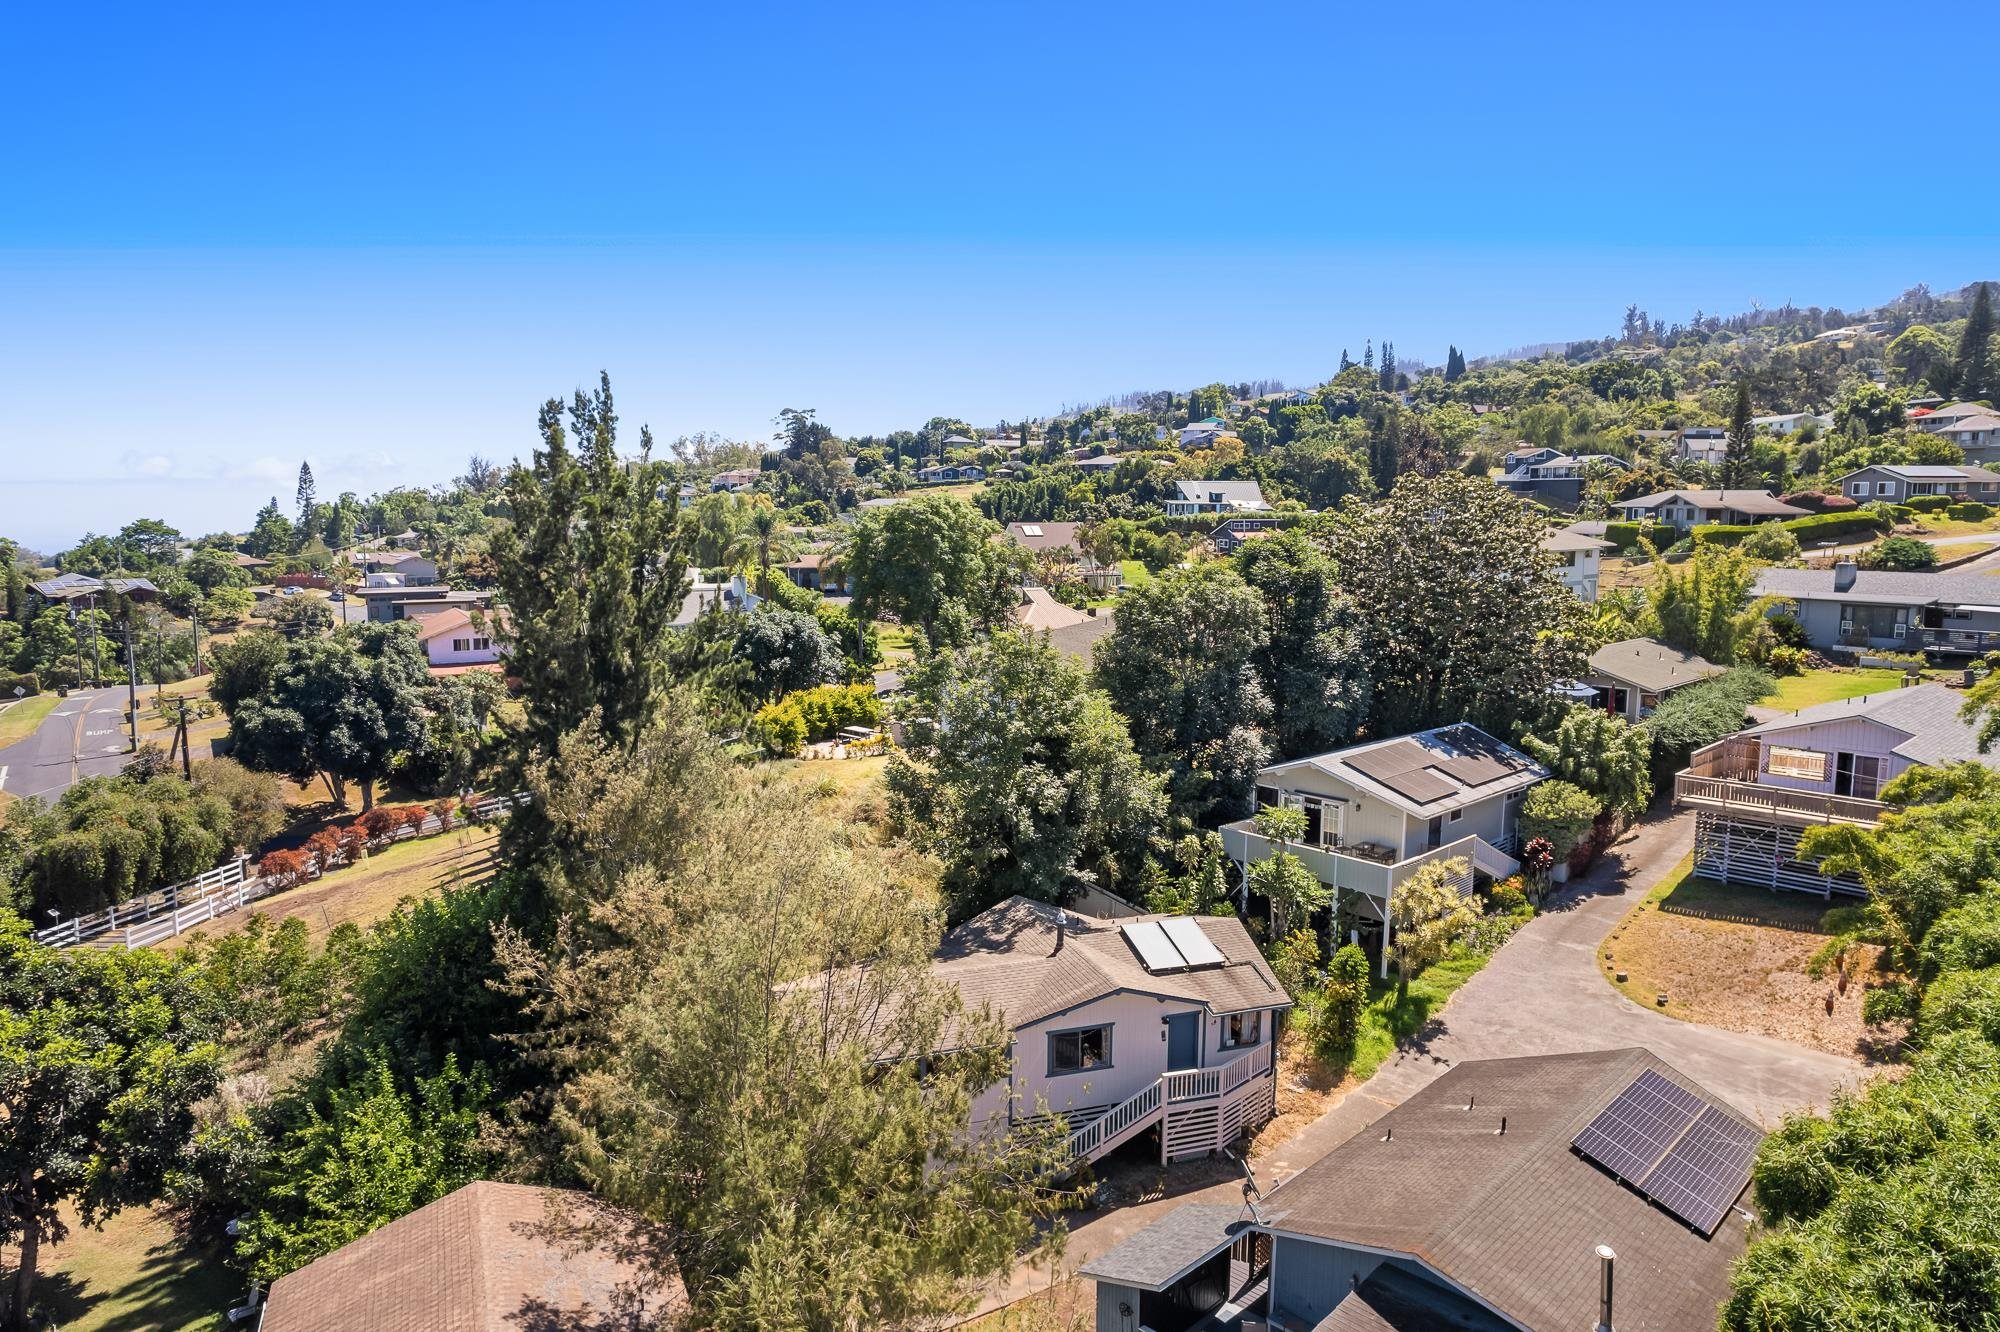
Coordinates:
column 132, row 684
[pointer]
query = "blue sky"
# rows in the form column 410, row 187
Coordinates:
column 235, row 236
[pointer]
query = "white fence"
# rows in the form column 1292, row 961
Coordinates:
column 141, row 921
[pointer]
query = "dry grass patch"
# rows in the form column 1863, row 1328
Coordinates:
column 1734, row 957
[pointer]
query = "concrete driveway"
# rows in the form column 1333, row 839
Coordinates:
column 84, row 737
column 1541, row 994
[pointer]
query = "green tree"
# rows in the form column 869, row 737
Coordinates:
column 306, row 505
column 931, row 562
column 272, row 533
column 377, row 1151
column 1344, row 1000
column 1561, row 811
column 1310, row 666
column 1281, row 878
column 1181, row 664
column 785, row 651
column 1603, row 754
column 342, row 709
column 1427, row 915
column 1019, row 775
column 103, row 1056
column 593, row 570
column 1703, row 604
column 1736, row 469
column 109, row 838
column 1922, row 356
column 1973, row 370
column 1460, row 612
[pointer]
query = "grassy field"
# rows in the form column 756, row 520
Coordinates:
column 1937, row 524
column 1136, row 574
column 135, row 1274
column 21, row 719
column 364, row 893
column 1826, row 686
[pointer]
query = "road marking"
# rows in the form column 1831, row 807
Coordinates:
column 3, row 776
column 105, row 731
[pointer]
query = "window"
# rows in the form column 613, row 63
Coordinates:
column 1080, row 1051
column 1242, row 1029
column 1805, row 764
column 1885, row 487
column 1457, row 814
column 1859, row 489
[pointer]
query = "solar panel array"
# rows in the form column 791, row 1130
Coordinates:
column 1176, row 944
column 1688, row 1156
column 1400, row 766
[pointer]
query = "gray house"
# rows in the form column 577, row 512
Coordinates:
column 1377, row 813
column 1685, row 509
column 1897, row 484
column 1508, row 1194
column 1755, row 792
column 1629, row 678
column 1943, row 613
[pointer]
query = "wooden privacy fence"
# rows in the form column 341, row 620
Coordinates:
column 166, row 912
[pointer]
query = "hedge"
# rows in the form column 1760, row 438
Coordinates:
column 1970, row 512
column 1626, row 536
column 1819, row 503
column 27, row 682
column 1720, row 534
column 1929, row 503
column 1824, row 526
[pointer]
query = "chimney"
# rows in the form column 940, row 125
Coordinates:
column 1843, row 575
column 1062, row 930
column 1605, row 1259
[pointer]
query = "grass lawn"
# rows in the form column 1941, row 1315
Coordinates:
column 1937, row 524
column 1735, row 957
column 364, row 893
column 135, row 1273
column 898, row 643
column 1825, row 686
column 22, row 719
column 1136, row 574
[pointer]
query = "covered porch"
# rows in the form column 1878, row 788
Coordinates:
column 1202, row 1268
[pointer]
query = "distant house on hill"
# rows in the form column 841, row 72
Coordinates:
column 1195, row 497
column 1895, row 483
column 1581, row 558
column 1686, row 509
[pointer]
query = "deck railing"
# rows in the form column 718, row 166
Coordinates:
column 1128, row 1113
column 1200, row 1084
column 1775, row 802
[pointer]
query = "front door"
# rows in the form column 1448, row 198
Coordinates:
column 1434, row 834
column 1183, row 1041
column 1857, row 775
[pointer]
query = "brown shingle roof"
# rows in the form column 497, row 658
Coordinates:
column 1513, row 1218
column 491, row 1257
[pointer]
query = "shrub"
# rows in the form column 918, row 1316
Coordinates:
column 445, row 810
column 283, row 869
column 378, row 822
column 324, row 847
column 1959, row 1001
column 1627, row 536
column 353, row 842
column 1929, row 503
column 1970, row 512
column 1788, row 660
column 1721, row 534
column 1507, row 898
column 829, row 709
column 25, row 681
column 1295, row 961
column 411, row 817
column 779, row 729
column 1831, row 526
column 1901, row 552
column 1819, row 503
column 1342, row 1001
column 1560, row 811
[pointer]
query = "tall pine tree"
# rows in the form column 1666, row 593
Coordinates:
column 1388, row 379
column 1973, row 374
column 1346, row 361
column 1736, row 457
column 1368, row 355
column 308, row 506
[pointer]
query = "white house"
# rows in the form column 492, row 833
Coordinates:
column 1378, row 812
column 455, row 637
column 1784, row 423
column 1755, row 792
column 1202, row 434
column 1216, row 497
column 1579, row 559
column 1122, row 1025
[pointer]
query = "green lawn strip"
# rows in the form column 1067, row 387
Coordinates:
column 1386, row 1022
column 1136, row 574
column 22, row 719
column 1826, row 686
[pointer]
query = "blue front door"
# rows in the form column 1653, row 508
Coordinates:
column 1183, row 1041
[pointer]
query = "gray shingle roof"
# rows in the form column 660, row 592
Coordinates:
column 1758, row 502
column 1927, row 714
column 1164, row 1251
column 1651, row 664
column 1884, row 587
column 1513, row 1218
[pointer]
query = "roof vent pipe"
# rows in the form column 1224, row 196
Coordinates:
column 1062, row 929
column 1605, row 1260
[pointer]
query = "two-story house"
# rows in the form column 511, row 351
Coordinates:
column 1756, row 791
column 1233, row 532
column 1702, row 444
column 1687, row 509
column 1973, row 426
column 1891, row 483
column 1122, row 1025
column 1193, row 497
column 1947, row 614
column 1557, row 481
column 1546, row 1192
column 1376, row 813
column 1579, row 560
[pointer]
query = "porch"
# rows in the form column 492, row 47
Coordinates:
column 1722, row 778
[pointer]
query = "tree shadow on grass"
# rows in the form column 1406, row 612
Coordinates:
column 174, row 1285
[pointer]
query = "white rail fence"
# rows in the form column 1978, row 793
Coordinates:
column 166, row 912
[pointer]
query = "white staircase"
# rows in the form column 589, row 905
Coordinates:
column 1491, row 861
column 1199, row 1109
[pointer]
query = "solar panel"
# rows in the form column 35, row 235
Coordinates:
column 1629, row 1136
column 1156, row 952
column 1400, row 766
column 1704, row 1173
column 1419, row 786
column 1474, row 769
column 1189, row 940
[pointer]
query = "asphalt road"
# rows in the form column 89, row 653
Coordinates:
column 84, row 737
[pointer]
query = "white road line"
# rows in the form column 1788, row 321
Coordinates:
column 3, row 776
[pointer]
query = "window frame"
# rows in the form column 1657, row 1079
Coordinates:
column 1885, row 487
column 1079, row 1033
column 1232, row 1030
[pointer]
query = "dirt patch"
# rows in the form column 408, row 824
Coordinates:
column 1308, row 1087
column 1737, row 959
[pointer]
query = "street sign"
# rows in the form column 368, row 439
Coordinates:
column 20, row 690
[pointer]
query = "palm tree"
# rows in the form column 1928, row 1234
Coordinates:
column 764, row 528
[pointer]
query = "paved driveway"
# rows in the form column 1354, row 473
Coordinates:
column 84, row 737
column 1541, row 994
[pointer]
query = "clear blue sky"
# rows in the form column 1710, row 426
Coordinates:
column 233, row 236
